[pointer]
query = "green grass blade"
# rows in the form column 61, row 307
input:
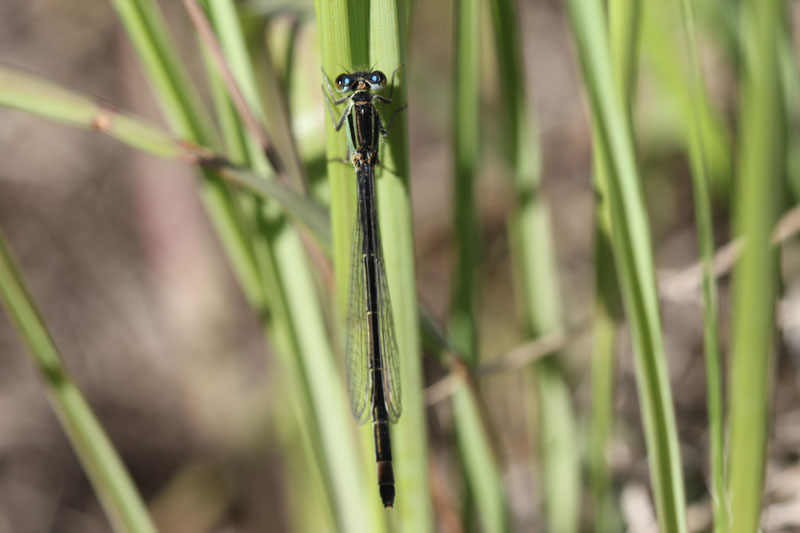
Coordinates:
column 307, row 213
column 344, row 45
column 606, row 318
column 170, row 82
column 482, row 471
column 302, row 424
column 343, row 35
column 633, row 256
column 624, row 21
column 534, row 260
column 29, row 93
column 387, row 47
column 605, row 321
column 121, row 502
column 760, row 185
column 466, row 151
column 478, row 455
column 705, row 238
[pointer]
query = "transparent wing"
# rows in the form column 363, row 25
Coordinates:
column 357, row 345
column 390, row 358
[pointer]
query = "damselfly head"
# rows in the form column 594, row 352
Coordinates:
column 360, row 81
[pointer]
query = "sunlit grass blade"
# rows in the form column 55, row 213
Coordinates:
column 705, row 237
column 343, row 34
column 760, row 182
column 271, row 45
column 466, row 149
column 29, row 93
column 387, row 45
column 177, row 95
column 624, row 29
column 634, row 261
column 121, row 501
column 304, row 211
column 343, row 38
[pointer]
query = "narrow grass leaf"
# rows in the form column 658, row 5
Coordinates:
column 624, row 30
column 634, row 260
column 480, row 463
column 387, row 47
column 705, row 237
column 344, row 46
column 760, row 184
column 29, row 93
column 121, row 501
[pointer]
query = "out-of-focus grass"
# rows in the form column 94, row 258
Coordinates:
column 488, row 498
column 275, row 257
column 701, row 187
column 695, row 111
column 630, row 241
column 116, row 491
column 330, row 465
column 293, row 294
column 536, row 277
column 760, row 181
column 624, row 29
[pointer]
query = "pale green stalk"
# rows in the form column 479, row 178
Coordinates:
column 189, row 120
column 112, row 484
column 760, row 185
column 387, row 45
column 482, row 470
column 705, row 239
column 343, row 34
column 633, row 256
column 624, row 22
column 343, row 38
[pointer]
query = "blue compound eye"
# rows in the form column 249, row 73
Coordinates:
column 374, row 78
column 346, row 81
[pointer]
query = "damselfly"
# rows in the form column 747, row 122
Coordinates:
column 373, row 375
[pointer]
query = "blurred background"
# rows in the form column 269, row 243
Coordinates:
column 130, row 277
